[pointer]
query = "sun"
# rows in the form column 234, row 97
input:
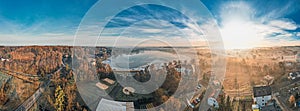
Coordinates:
column 238, row 27
column 239, row 34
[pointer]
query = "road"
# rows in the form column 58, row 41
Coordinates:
column 203, row 105
column 283, row 107
column 25, row 106
column 31, row 100
column 25, row 77
column 20, row 73
column 282, row 88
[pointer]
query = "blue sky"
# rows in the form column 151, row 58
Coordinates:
column 251, row 23
column 47, row 16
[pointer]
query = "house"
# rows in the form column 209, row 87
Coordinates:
column 294, row 75
column 109, row 81
column 213, row 102
column 66, row 56
column 297, row 104
column 93, row 63
column 2, row 59
column 291, row 58
column 110, row 105
column 269, row 108
column 255, row 107
column 262, row 95
column 102, row 86
column 298, row 57
column 268, row 80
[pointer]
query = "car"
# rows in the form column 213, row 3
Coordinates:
column 198, row 87
column 192, row 106
column 216, row 83
column 276, row 94
column 198, row 100
column 195, row 101
column 189, row 104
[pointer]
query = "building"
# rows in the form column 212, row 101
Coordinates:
column 269, row 108
column 262, row 95
column 294, row 75
column 291, row 58
column 268, row 80
column 298, row 57
column 255, row 107
column 110, row 105
column 213, row 102
column 102, row 86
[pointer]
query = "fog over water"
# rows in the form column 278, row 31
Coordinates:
column 132, row 61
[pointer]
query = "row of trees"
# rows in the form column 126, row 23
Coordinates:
column 59, row 99
column 3, row 93
column 225, row 103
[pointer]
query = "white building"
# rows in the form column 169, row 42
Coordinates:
column 110, row 105
column 298, row 57
column 262, row 95
column 291, row 58
column 2, row 59
column 212, row 101
column 255, row 107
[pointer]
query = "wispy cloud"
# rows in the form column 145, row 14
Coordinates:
column 241, row 25
column 298, row 34
column 285, row 24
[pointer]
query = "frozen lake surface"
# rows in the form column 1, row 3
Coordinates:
column 135, row 61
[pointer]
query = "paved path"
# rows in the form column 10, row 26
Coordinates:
column 25, row 77
column 283, row 107
column 25, row 106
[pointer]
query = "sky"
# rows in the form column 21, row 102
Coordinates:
column 242, row 24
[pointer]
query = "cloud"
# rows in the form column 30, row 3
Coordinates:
column 298, row 34
column 279, row 9
column 240, row 26
column 284, row 24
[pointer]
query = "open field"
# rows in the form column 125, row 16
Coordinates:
column 244, row 69
column 247, row 68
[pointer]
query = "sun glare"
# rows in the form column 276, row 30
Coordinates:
column 238, row 28
column 238, row 34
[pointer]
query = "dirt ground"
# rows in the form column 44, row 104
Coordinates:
column 248, row 67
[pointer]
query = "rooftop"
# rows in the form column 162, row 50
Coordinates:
column 110, row 105
column 262, row 91
column 269, row 108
